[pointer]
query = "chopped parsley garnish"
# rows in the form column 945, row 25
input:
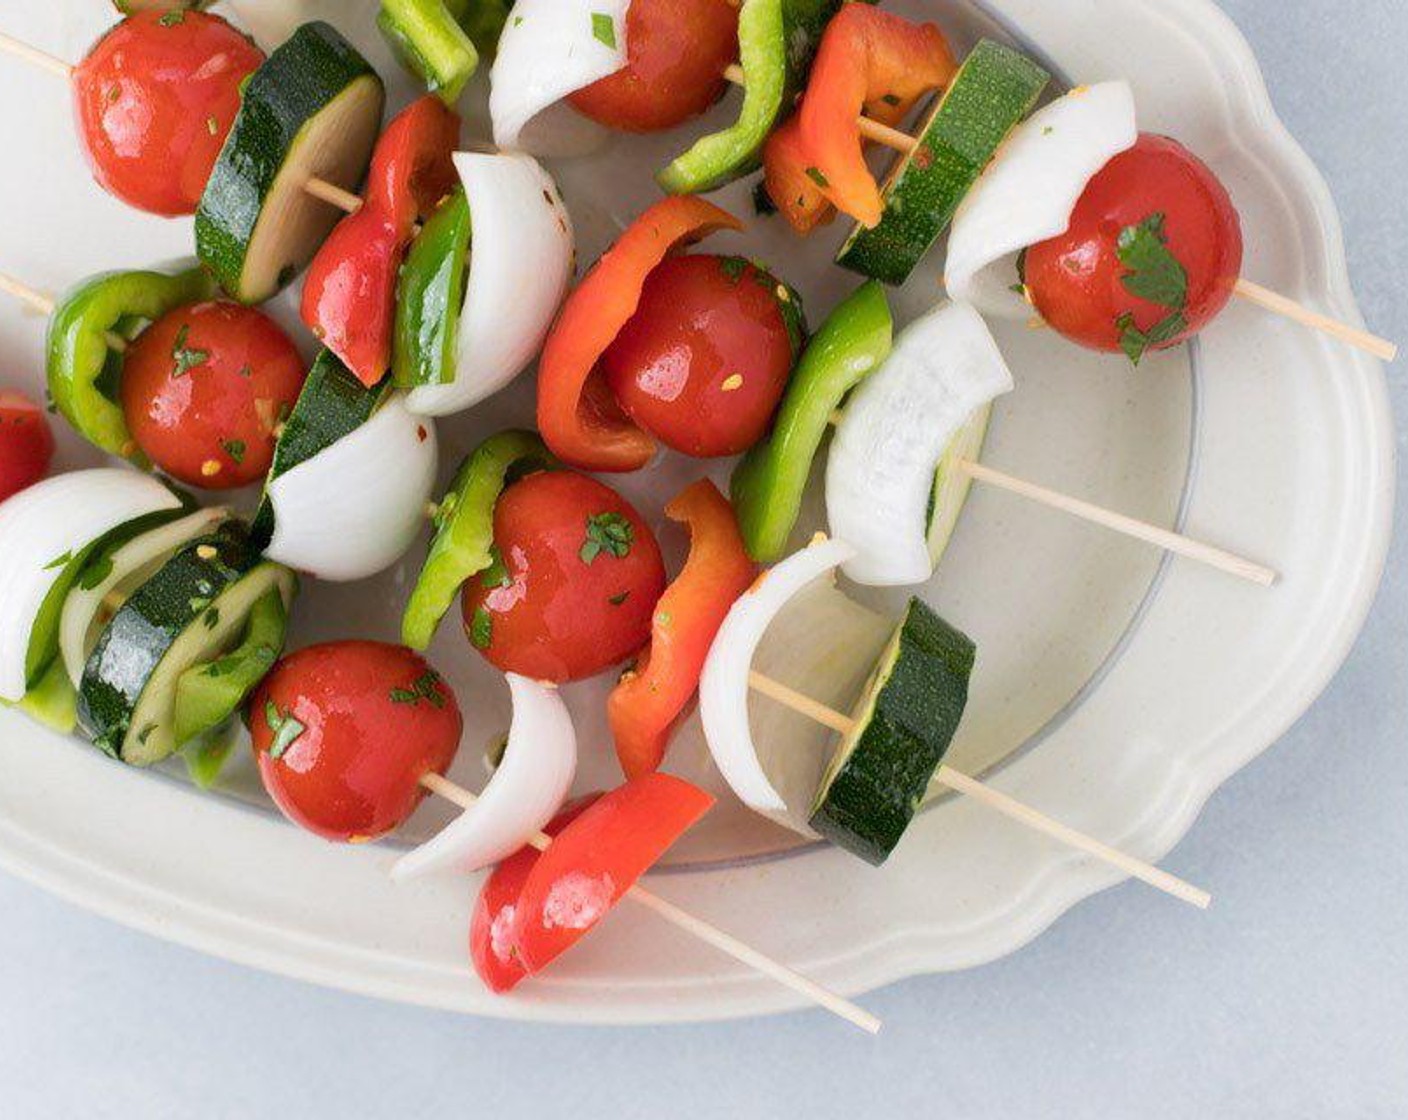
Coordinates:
column 607, row 532
column 58, row 562
column 286, row 729
column 186, row 358
column 762, row 201
column 604, row 30
column 1155, row 275
column 424, row 687
column 198, row 605
column 173, row 18
column 733, row 268
column 617, row 600
column 212, row 619
column 496, row 574
column 245, row 371
column 235, row 449
column 481, row 629
column 890, row 99
column 145, row 733
column 816, row 176
column 263, row 656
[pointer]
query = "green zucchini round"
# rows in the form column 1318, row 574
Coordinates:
column 191, row 611
column 903, row 726
column 994, row 89
column 313, row 110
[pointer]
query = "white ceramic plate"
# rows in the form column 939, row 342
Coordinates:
column 1115, row 691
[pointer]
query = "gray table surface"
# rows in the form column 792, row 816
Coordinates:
column 1288, row 999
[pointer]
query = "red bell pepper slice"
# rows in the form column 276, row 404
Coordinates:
column 596, row 859
column 873, row 62
column 648, row 704
column 794, row 192
column 577, row 414
column 349, row 297
column 491, row 946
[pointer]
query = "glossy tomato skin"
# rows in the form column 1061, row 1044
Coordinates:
column 676, row 52
column 704, row 361
column 26, row 443
column 371, row 720
column 558, row 608
column 203, row 389
column 1075, row 280
column 155, row 100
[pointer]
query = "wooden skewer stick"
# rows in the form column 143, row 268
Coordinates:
column 998, row 801
column 1271, row 301
column 318, row 188
column 1156, row 535
column 724, row 942
column 38, row 301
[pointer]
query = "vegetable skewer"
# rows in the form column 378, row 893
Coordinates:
column 994, row 799
column 320, row 189
column 711, row 934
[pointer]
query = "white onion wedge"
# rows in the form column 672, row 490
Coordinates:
column 549, row 49
column 42, row 529
column 894, row 434
column 527, row 788
column 723, row 686
column 132, row 563
column 1028, row 193
column 354, row 508
column 520, row 264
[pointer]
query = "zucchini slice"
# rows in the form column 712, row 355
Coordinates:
column 313, row 110
column 993, row 90
column 332, row 403
column 951, row 486
column 904, row 723
column 190, row 612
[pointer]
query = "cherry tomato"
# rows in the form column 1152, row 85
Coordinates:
column 203, row 389
column 578, row 576
column 26, row 443
column 676, row 52
column 1155, row 192
column 343, row 733
column 155, row 100
column 704, row 360
column 492, row 948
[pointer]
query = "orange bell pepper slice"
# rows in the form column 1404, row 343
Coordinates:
column 869, row 62
column 651, row 700
column 577, row 414
column 794, row 192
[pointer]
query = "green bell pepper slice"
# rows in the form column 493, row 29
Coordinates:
column 768, row 484
column 84, row 371
column 463, row 544
column 440, row 41
column 430, row 297
column 777, row 40
column 52, row 701
column 208, row 695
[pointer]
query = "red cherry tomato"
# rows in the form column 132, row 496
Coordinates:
column 676, row 52
column 491, row 946
column 578, row 578
column 203, row 389
column 703, row 362
column 1157, row 189
column 26, row 443
column 344, row 732
column 155, row 100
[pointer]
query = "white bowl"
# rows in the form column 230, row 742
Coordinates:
column 1115, row 690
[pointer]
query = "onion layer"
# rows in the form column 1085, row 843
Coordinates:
column 354, row 508
column 528, row 787
column 520, row 264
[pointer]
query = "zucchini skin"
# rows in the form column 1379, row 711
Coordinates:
column 148, row 624
column 301, row 78
column 870, row 801
column 994, row 90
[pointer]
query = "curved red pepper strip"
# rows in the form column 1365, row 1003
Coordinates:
column 870, row 62
column 648, row 704
column 577, row 414
column 491, row 947
column 349, row 297
column 596, row 859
